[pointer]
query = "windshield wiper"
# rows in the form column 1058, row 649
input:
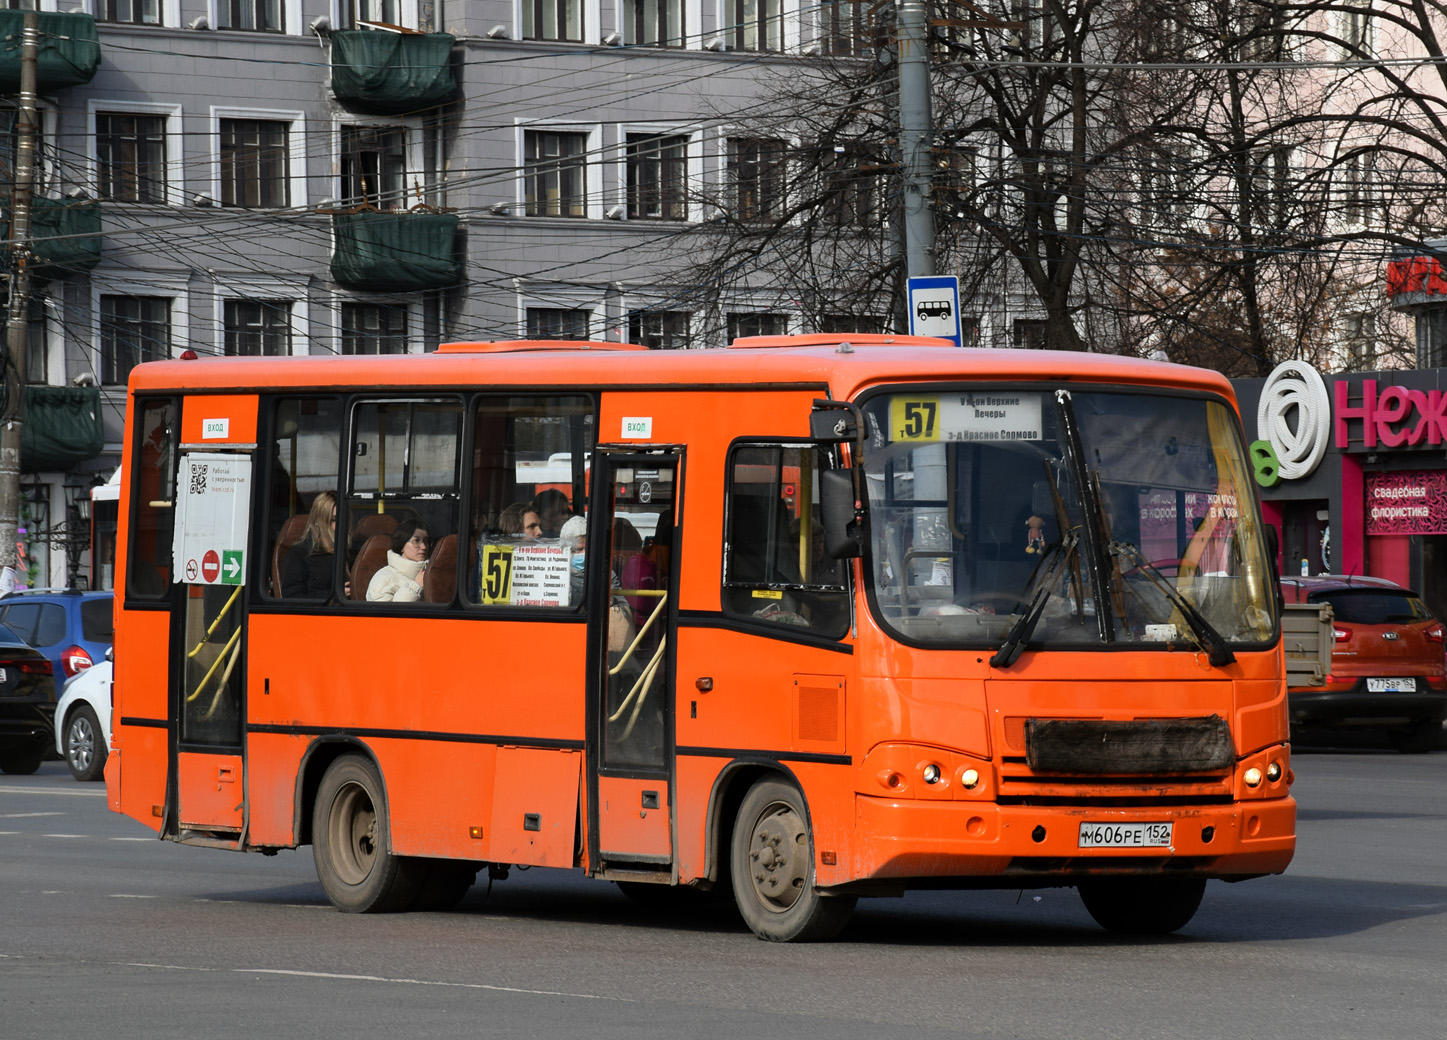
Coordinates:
column 1207, row 638
column 1024, row 626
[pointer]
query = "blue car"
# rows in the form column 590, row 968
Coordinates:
column 72, row 629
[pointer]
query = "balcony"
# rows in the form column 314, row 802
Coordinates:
column 65, row 237
column 396, row 252
column 66, row 56
column 62, row 428
column 389, row 73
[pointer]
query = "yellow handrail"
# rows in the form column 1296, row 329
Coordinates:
column 229, row 603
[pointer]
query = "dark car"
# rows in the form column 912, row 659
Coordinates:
column 27, row 705
column 1387, row 667
column 73, row 629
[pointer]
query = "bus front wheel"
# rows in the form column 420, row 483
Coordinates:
column 773, row 869
column 1142, row 905
column 352, row 844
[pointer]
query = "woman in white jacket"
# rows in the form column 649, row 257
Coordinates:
column 405, row 575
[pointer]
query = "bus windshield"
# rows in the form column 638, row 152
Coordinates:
column 1079, row 518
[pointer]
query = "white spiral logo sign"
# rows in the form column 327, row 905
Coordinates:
column 1294, row 386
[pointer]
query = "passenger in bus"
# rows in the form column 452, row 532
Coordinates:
column 517, row 523
column 574, row 538
column 306, row 570
column 553, row 511
column 405, row 576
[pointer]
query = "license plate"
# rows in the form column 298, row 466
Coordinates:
column 1125, row 835
column 1408, row 685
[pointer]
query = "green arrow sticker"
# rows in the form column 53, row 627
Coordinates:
column 231, row 568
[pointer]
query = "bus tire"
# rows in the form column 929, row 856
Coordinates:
column 1142, row 905
column 85, row 750
column 773, row 869
column 352, row 842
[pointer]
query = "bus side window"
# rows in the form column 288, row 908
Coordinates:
column 153, row 490
column 775, row 567
column 401, row 504
column 306, row 443
column 530, row 461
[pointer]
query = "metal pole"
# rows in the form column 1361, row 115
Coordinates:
column 17, row 319
column 916, row 138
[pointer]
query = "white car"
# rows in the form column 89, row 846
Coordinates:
column 83, row 722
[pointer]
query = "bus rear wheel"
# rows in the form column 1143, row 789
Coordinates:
column 352, row 842
column 1142, row 905
column 773, row 869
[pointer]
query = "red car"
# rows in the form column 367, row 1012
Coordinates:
column 1387, row 666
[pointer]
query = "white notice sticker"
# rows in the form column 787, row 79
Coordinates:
column 215, row 429
column 637, row 428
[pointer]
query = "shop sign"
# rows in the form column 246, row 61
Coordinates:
column 1413, row 502
column 1291, row 421
column 1398, row 416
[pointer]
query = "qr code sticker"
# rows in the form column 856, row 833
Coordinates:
column 198, row 478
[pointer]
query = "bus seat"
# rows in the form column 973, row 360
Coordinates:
column 368, row 525
column 291, row 533
column 442, row 571
column 370, row 560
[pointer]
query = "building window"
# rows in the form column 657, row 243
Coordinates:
column 374, row 328
column 374, row 166
column 133, row 329
column 850, row 191
column 852, row 323
column 553, row 20
column 657, row 177
column 756, row 171
column 135, row 12
column 1028, row 334
column 1271, row 183
column 555, row 174
column 257, row 328
column 758, row 25
column 254, row 164
column 1431, row 327
column 659, row 330
column 131, row 157
column 654, row 23
column 1358, row 188
column 845, row 29
column 753, row 323
column 256, row 15
column 1361, row 339
column 36, row 343
column 1356, row 29
column 354, row 12
column 558, row 323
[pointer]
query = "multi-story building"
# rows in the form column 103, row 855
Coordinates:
column 371, row 176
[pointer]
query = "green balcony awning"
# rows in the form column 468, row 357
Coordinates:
column 62, row 427
column 396, row 252
column 387, row 72
column 64, row 236
column 67, row 54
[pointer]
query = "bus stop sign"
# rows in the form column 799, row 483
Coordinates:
column 934, row 307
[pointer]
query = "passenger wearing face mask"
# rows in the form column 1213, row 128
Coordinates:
column 574, row 539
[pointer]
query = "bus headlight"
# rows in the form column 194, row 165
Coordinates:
column 1252, row 777
column 931, row 774
column 1273, row 772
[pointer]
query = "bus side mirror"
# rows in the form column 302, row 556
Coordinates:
column 836, row 504
column 832, row 423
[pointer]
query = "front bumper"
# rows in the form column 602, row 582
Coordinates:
column 933, row 841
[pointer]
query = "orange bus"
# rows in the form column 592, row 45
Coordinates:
column 823, row 617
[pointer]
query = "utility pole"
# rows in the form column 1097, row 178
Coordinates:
column 916, row 138
column 17, row 319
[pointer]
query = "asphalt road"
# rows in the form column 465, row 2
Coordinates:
column 106, row 932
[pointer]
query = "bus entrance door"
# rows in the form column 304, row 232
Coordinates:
column 212, row 516
column 631, row 694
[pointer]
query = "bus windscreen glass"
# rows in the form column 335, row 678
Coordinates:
column 989, row 504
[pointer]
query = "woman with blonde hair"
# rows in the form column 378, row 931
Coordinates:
column 306, row 570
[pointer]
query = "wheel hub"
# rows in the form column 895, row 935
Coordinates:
column 779, row 860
